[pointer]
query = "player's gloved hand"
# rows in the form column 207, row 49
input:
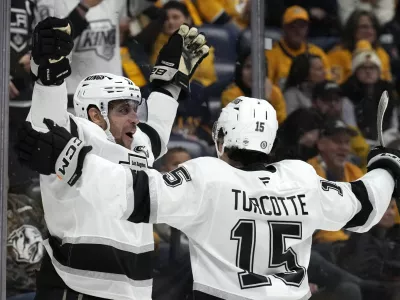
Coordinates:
column 388, row 159
column 53, row 152
column 179, row 58
column 51, row 44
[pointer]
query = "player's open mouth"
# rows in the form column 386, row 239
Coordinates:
column 130, row 134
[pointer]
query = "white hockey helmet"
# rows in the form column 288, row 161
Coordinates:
column 100, row 89
column 247, row 123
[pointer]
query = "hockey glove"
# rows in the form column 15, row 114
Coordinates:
column 51, row 43
column 53, row 152
column 388, row 159
column 179, row 58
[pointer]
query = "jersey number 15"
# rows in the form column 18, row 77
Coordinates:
column 245, row 233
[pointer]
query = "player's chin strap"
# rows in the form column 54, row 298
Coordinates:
column 219, row 153
column 110, row 137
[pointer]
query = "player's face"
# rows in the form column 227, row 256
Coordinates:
column 123, row 121
column 335, row 149
column 296, row 33
column 175, row 18
column 389, row 217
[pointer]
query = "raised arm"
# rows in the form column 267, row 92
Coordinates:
column 359, row 205
column 50, row 66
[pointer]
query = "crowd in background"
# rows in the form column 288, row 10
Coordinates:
column 329, row 64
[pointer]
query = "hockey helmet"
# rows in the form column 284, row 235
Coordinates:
column 247, row 123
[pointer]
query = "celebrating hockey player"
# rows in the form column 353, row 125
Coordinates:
column 89, row 252
column 249, row 222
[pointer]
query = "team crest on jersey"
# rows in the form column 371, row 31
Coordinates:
column 99, row 38
column 19, row 29
column 27, row 243
column 142, row 149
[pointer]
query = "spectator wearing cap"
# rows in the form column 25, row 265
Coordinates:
column 363, row 90
column 177, row 14
column 329, row 103
column 332, row 164
column 306, row 71
column 361, row 26
column 242, row 87
column 293, row 43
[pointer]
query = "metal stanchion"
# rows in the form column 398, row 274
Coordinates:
column 4, row 97
column 257, row 48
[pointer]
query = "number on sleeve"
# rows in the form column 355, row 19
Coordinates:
column 176, row 177
column 244, row 232
column 327, row 185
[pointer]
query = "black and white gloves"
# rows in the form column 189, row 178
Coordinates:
column 54, row 152
column 388, row 159
column 52, row 42
column 179, row 58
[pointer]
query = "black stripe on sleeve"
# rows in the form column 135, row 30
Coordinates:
column 103, row 258
column 203, row 296
column 154, row 138
column 141, row 195
column 74, row 128
column 360, row 191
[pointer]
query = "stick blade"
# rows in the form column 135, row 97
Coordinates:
column 383, row 103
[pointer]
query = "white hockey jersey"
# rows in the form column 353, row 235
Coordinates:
column 94, row 253
column 97, row 48
column 250, row 231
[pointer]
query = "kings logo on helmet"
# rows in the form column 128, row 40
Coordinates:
column 100, row 38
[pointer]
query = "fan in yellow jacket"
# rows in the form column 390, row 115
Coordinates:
column 334, row 148
column 178, row 14
column 242, row 87
column 292, row 44
column 360, row 32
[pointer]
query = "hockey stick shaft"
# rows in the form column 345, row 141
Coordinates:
column 383, row 103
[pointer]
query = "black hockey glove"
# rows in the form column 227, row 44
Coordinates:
column 179, row 58
column 388, row 159
column 53, row 152
column 51, row 42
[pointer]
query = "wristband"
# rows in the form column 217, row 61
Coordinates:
column 83, row 7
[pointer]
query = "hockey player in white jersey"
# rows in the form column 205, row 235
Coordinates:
column 89, row 252
column 249, row 222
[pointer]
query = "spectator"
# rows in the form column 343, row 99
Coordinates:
column 361, row 25
column 26, row 228
column 293, row 43
column 329, row 103
column 306, row 71
column 323, row 15
column 332, row 164
column 177, row 14
column 297, row 136
column 382, row 9
column 363, row 89
column 375, row 255
column 242, row 87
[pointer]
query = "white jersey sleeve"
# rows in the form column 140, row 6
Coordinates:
column 49, row 102
column 356, row 206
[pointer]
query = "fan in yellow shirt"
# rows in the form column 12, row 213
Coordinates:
column 292, row 44
column 178, row 14
column 360, row 32
column 242, row 87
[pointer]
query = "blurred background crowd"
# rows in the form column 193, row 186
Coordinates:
column 329, row 63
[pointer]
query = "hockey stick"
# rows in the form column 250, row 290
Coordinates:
column 383, row 103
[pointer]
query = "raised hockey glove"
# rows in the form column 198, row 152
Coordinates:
column 52, row 42
column 388, row 159
column 179, row 58
column 53, row 152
